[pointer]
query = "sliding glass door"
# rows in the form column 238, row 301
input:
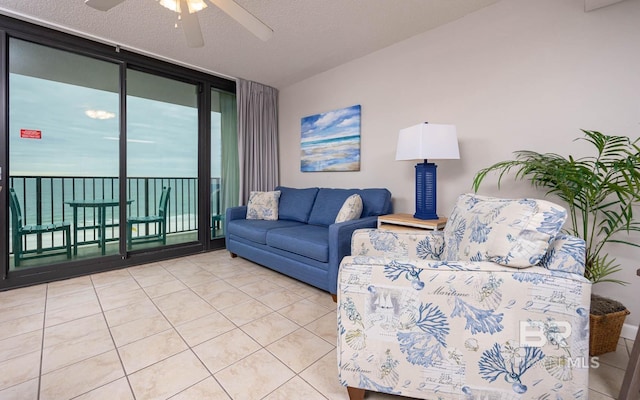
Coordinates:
column 111, row 158
column 162, row 161
column 63, row 156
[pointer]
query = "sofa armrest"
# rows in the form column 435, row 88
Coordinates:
column 425, row 245
column 239, row 212
column 340, row 242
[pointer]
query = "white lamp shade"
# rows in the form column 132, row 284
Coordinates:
column 428, row 141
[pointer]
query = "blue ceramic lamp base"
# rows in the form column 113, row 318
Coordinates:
column 426, row 191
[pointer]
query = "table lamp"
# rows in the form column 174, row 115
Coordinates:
column 424, row 141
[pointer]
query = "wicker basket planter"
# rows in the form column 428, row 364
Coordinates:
column 604, row 331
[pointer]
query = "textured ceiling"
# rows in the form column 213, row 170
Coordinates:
column 310, row 36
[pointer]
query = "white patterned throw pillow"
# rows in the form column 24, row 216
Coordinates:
column 351, row 209
column 263, row 205
column 511, row 232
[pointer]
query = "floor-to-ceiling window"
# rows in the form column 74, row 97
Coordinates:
column 103, row 160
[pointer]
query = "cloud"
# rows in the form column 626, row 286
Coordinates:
column 332, row 124
column 348, row 122
column 330, row 117
column 99, row 114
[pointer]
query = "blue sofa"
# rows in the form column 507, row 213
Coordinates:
column 304, row 242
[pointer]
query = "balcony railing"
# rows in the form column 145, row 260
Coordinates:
column 43, row 200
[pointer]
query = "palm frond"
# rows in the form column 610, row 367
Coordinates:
column 600, row 192
column 600, row 268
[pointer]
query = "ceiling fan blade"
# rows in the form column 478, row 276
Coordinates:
column 245, row 18
column 190, row 26
column 102, row 5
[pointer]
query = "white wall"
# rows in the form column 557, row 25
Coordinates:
column 517, row 75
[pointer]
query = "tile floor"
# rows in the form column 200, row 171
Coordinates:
column 200, row 327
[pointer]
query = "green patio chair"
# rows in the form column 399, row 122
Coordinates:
column 19, row 231
column 217, row 216
column 160, row 219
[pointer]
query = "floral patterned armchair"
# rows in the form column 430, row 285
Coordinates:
column 493, row 307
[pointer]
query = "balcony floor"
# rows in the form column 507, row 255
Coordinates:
column 89, row 251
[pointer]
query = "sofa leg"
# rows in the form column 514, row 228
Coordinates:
column 334, row 297
column 355, row 393
column 233, row 255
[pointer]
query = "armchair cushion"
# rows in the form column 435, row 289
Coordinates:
column 511, row 232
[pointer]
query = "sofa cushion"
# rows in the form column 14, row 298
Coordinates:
column 511, row 232
column 375, row 202
column 329, row 201
column 256, row 230
column 295, row 204
column 311, row 241
column 263, row 205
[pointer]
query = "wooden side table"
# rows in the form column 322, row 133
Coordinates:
column 407, row 221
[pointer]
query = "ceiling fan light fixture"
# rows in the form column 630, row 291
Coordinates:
column 189, row 20
column 174, row 5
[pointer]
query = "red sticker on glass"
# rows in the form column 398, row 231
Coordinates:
column 30, row 134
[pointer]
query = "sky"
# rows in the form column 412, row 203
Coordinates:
column 338, row 123
column 162, row 138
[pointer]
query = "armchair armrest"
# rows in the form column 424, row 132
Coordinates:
column 567, row 254
column 425, row 245
column 340, row 242
column 458, row 325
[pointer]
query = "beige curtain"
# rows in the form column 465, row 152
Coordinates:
column 257, row 137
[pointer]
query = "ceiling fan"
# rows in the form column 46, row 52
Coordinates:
column 187, row 10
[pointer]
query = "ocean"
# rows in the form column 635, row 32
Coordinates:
column 332, row 154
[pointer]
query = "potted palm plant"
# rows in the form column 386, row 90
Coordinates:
column 600, row 193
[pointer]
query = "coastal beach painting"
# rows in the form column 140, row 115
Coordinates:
column 331, row 141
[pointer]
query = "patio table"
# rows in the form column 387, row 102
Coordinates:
column 101, row 209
